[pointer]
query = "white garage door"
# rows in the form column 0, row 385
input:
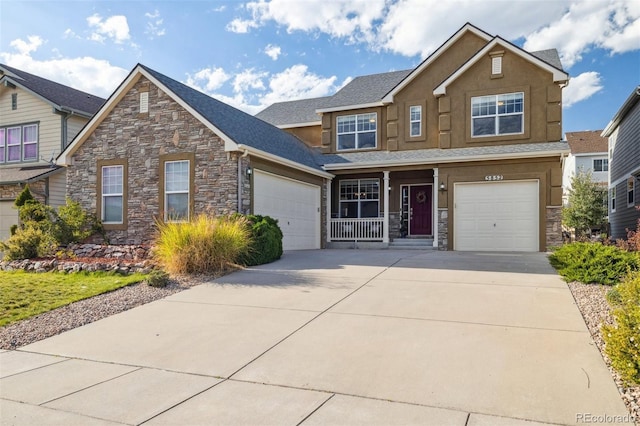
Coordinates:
column 8, row 217
column 295, row 204
column 496, row 216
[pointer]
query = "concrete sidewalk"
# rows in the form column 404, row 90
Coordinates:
column 329, row 337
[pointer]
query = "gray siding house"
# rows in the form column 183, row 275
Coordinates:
column 624, row 166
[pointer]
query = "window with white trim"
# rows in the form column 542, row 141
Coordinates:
column 358, row 131
column 612, row 198
column 497, row 114
column 176, row 191
column 600, row 164
column 112, row 194
column 630, row 191
column 415, row 120
column 496, row 65
column 359, row 198
column 19, row 143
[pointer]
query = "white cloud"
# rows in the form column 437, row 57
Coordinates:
column 212, row 78
column 219, row 8
column 114, row 27
column 272, row 51
column 581, row 87
column 155, row 23
column 95, row 76
column 614, row 26
column 26, row 47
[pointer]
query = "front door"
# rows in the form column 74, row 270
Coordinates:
column 420, row 210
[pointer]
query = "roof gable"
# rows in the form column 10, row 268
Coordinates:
column 60, row 96
column 296, row 113
column 558, row 74
column 587, row 142
column 239, row 130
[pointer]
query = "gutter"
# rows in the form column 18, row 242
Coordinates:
column 265, row 155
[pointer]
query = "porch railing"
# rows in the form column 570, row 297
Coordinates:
column 366, row 229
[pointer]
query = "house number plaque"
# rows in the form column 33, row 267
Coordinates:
column 493, row 177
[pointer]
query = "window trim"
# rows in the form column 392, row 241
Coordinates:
column 497, row 115
column 631, row 190
column 167, row 158
column 602, row 165
column 358, row 201
column 20, row 144
column 412, row 121
column 100, row 164
column 356, row 133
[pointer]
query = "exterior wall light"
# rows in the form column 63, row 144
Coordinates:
column 442, row 187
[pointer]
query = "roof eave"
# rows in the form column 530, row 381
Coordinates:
column 624, row 109
column 350, row 107
column 289, row 163
column 292, row 125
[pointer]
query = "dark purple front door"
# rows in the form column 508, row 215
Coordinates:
column 420, row 210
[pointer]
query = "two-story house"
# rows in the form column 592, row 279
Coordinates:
column 463, row 151
column 38, row 119
column 623, row 133
column 589, row 154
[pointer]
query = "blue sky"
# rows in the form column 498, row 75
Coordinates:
column 251, row 54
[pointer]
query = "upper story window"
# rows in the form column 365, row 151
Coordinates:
column 601, row 165
column 359, row 198
column 497, row 114
column 19, row 143
column 14, row 101
column 415, row 121
column 144, row 102
column 358, row 131
column 176, row 190
column 630, row 191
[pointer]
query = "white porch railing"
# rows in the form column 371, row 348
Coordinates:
column 366, row 229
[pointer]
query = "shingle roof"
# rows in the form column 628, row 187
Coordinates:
column 549, row 56
column 366, row 89
column 436, row 155
column 587, row 142
column 293, row 112
column 241, row 127
column 26, row 174
column 56, row 93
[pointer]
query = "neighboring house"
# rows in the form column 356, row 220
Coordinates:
column 38, row 118
column 623, row 132
column 463, row 152
column 160, row 150
column 589, row 154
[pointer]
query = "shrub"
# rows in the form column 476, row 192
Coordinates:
column 28, row 243
column 23, row 197
column 623, row 339
column 266, row 241
column 632, row 243
column 204, row 245
column 75, row 224
column 158, row 279
column 593, row 263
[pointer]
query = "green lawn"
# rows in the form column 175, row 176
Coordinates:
column 23, row 294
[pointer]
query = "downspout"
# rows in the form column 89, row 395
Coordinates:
column 240, row 157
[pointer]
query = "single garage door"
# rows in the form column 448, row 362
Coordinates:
column 8, row 217
column 295, row 204
column 496, row 216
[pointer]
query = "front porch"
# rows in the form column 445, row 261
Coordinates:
column 383, row 209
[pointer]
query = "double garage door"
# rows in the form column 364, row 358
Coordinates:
column 295, row 204
column 496, row 216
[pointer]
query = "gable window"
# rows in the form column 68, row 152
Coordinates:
column 497, row 114
column 612, row 199
column 19, row 143
column 630, row 191
column 144, row 102
column 359, row 198
column 176, row 190
column 601, row 165
column 357, row 131
column 112, row 194
column 415, row 121
column 496, row 65
column 14, row 101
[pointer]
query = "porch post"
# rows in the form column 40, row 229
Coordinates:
column 434, row 203
column 328, row 208
column 385, row 225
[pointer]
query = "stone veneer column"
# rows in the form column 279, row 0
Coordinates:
column 443, row 229
column 553, row 226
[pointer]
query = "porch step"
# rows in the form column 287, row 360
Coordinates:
column 412, row 244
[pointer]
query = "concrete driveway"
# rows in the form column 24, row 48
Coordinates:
column 329, row 337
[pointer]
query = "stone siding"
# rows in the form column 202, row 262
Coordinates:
column 443, row 229
column 553, row 227
column 11, row 191
column 141, row 139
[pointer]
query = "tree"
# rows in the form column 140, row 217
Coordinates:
column 587, row 206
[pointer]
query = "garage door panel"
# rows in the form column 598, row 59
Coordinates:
column 496, row 216
column 8, row 217
column 296, row 206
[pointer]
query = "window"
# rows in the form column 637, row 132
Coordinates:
column 497, row 114
column 359, row 198
column 14, row 101
column 630, row 191
column 612, row 198
column 176, row 190
column 112, row 194
column 357, row 131
column 601, row 165
column 415, row 121
column 19, row 143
